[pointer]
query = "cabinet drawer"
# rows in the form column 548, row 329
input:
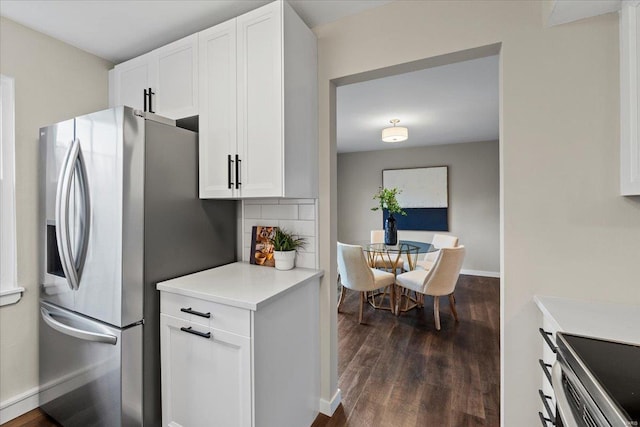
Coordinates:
column 210, row 314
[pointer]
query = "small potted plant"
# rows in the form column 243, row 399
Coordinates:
column 285, row 246
column 387, row 201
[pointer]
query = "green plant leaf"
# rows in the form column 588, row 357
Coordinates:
column 285, row 241
column 387, row 200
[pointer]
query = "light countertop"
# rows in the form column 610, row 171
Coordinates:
column 239, row 284
column 611, row 321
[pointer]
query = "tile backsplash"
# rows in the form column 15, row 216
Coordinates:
column 296, row 215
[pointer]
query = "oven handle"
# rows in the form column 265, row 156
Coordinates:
column 564, row 411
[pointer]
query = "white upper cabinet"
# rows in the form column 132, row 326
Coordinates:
column 164, row 81
column 260, row 97
column 177, row 83
column 258, row 137
column 132, row 80
column 218, row 110
column 630, row 98
column 253, row 82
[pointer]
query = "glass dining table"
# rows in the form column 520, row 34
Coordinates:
column 392, row 258
column 389, row 257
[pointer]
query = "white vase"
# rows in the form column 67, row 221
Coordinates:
column 285, row 260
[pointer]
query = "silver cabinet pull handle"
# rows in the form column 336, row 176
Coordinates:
column 75, row 332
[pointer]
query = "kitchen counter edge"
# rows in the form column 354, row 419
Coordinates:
column 240, row 284
column 604, row 320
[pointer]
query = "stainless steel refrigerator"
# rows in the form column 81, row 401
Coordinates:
column 120, row 212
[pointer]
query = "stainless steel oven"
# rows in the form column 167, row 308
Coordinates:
column 596, row 382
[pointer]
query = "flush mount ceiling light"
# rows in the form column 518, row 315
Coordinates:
column 395, row 133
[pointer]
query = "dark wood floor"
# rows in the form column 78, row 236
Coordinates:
column 35, row 418
column 400, row 371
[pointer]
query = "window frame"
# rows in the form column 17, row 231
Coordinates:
column 10, row 292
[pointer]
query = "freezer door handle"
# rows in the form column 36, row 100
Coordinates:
column 75, row 332
column 74, row 163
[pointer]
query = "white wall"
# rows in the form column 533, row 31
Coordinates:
column 53, row 81
column 566, row 231
column 474, row 183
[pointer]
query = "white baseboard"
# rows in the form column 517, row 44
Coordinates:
column 30, row 399
column 481, row 273
column 328, row 408
column 18, row 405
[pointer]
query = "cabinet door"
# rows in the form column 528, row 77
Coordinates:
column 260, row 109
column 217, row 110
column 205, row 381
column 132, row 78
column 630, row 99
column 177, row 91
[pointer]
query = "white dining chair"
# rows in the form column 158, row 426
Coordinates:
column 356, row 274
column 439, row 280
column 439, row 241
column 377, row 236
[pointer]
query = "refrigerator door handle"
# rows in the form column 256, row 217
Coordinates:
column 73, row 162
column 62, row 208
column 81, row 175
column 75, row 332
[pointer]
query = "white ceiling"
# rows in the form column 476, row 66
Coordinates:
column 118, row 30
column 448, row 104
column 442, row 105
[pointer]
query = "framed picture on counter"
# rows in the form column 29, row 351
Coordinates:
column 261, row 246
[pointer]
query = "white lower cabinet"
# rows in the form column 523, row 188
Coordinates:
column 250, row 360
column 206, row 375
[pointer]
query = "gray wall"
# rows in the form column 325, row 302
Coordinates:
column 53, row 82
column 474, row 183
